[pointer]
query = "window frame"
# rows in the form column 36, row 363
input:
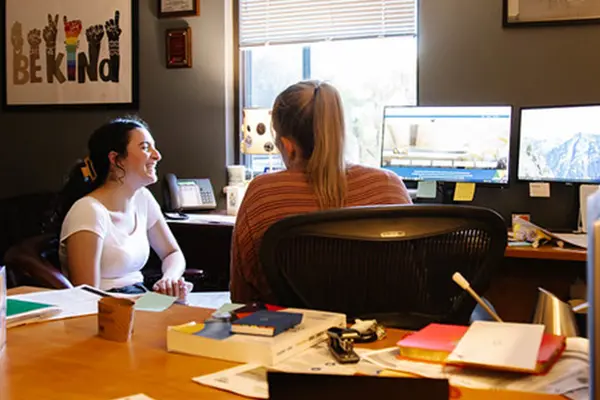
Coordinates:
column 243, row 63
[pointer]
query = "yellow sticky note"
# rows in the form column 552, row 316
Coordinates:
column 464, row 191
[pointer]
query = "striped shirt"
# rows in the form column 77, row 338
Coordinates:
column 274, row 196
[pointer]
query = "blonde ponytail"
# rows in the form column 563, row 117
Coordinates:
column 311, row 114
column 326, row 167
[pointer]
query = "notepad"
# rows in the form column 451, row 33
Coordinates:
column 16, row 307
column 507, row 346
column 152, row 301
column 19, row 312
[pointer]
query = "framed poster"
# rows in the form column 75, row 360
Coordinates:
column 550, row 12
column 70, row 54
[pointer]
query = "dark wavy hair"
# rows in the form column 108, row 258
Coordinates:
column 112, row 136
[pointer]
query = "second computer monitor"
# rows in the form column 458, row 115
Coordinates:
column 560, row 144
column 448, row 144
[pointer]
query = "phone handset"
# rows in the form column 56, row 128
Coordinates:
column 171, row 198
column 182, row 195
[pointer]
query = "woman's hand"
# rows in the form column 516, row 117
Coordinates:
column 169, row 286
column 173, row 287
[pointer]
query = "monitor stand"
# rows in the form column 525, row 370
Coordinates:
column 447, row 192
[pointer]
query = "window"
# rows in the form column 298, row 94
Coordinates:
column 367, row 49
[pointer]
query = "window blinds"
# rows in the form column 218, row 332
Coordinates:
column 291, row 21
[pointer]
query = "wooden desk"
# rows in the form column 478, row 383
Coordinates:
column 220, row 222
column 547, row 253
column 66, row 360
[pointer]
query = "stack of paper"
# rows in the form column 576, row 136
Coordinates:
column 20, row 312
column 75, row 302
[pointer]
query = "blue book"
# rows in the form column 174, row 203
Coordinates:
column 266, row 323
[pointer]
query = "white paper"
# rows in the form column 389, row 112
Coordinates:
column 539, row 189
column 248, row 380
column 510, row 345
column 207, row 219
column 388, row 359
column 575, row 239
column 251, row 379
column 139, row 396
column 74, row 302
column 317, row 360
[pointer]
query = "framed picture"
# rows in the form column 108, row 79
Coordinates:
column 179, row 47
column 550, row 12
column 178, row 8
column 70, row 54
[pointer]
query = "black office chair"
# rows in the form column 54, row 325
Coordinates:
column 392, row 263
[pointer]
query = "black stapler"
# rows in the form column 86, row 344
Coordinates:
column 341, row 344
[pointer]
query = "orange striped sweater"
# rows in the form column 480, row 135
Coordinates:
column 274, row 196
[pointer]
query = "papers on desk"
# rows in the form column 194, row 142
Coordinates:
column 75, row 302
column 569, row 376
column 21, row 312
column 251, row 379
column 207, row 219
column 528, row 231
column 574, row 239
column 248, row 380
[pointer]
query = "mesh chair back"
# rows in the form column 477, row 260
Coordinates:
column 385, row 260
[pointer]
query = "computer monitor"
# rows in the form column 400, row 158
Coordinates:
column 560, row 144
column 448, row 144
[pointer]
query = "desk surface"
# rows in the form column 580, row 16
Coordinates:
column 544, row 253
column 547, row 253
column 66, row 359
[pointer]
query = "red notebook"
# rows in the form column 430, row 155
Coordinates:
column 436, row 341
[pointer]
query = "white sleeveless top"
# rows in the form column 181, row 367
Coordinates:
column 124, row 254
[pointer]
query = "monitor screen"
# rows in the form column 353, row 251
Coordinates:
column 449, row 144
column 560, row 144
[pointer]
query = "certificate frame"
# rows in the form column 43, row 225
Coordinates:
column 179, row 47
column 178, row 8
column 527, row 13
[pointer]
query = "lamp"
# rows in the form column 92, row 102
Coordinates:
column 258, row 137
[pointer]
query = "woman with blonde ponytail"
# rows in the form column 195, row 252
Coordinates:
column 308, row 120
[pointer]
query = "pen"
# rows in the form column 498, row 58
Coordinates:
column 96, row 291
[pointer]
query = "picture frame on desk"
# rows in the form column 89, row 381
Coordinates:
column 527, row 13
column 179, row 47
column 68, row 54
column 178, row 8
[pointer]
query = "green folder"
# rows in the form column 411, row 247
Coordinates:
column 15, row 307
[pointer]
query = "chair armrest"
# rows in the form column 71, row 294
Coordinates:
column 193, row 273
column 24, row 259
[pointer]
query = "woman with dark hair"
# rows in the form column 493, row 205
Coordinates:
column 109, row 219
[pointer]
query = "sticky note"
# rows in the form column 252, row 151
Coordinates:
column 427, row 189
column 539, row 189
column 464, row 191
column 228, row 307
column 152, row 301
